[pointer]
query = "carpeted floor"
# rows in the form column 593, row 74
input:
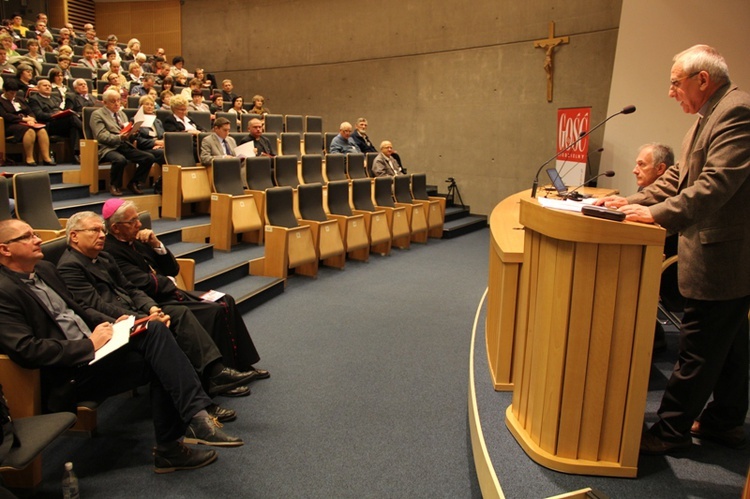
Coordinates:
column 367, row 396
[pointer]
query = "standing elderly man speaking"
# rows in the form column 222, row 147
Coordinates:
column 706, row 198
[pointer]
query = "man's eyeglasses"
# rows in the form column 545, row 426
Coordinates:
column 95, row 230
column 676, row 83
column 25, row 237
column 129, row 222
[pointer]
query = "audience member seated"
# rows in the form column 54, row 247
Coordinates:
column 151, row 139
column 59, row 88
column 166, row 99
column 178, row 72
column 187, row 92
column 18, row 25
column 135, row 74
column 63, row 37
column 45, row 104
column 263, row 146
column 217, row 104
column 115, row 84
column 384, row 163
column 32, row 58
column 10, row 48
column 226, row 90
column 37, row 309
column 90, row 60
column 167, row 84
column 151, row 267
column 143, row 88
column 63, row 64
column 91, row 39
column 40, row 29
column 206, row 82
column 343, row 142
column 155, row 96
column 81, row 97
column 95, row 279
column 258, row 101
column 238, row 109
column 20, row 125
column 219, row 144
column 111, row 56
column 132, row 50
column 115, row 69
column 6, row 68
column 64, row 50
column 197, row 104
column 178, row 121
column 46, row 46
column 106, row 126
column 25, row 79
column 112, row 43
column 361, row 139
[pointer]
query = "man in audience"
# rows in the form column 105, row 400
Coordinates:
column 263, row 146
column 143, row 88
column 178, row 121
column 115, row 68
column 343, row 142
column 705, row 198
column 45, row 328
column 45, row 104
column 110, row 55
column 81, row 97
column 226, row 91
column 360, row 137
column 384, row 163
column 219, row 145
column 151, row 267
column 116, row 146
column 94, row 278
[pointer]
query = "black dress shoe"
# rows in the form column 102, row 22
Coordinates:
column 180, row 457
column 30, row 163
column 114, row 190
column 260, row 373
column 223, row 414
column 654, row 446
column 133, row 187
column 240, row 391
column 227, row 379
column 49, row 163
column 734, row 438
column 207, row 431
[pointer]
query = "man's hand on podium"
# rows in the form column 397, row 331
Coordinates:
column 637, row 213
column 613, row 202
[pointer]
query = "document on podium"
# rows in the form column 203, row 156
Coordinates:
column 565, row 204
column 120, row 337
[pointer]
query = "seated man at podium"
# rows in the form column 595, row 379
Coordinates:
column 652, row 161
column 705, row 198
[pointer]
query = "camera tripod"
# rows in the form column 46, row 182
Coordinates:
column 453, row 192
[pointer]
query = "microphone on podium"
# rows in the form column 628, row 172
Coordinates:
column 577, row 196
column 626, row 110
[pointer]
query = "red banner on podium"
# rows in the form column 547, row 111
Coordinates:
column 571, row 122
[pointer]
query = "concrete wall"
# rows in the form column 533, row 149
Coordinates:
column 457, row 86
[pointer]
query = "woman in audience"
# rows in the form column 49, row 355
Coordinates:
column 135, row 74
column 258, row 101
column 19, row 125
column 206, row 82
column 187, row 92
column 196, row 103
column 65, row 51
column 151, row 139
column 155, row 96
column 217, row 104
column 25, row 78
column 10, row 47
column 237, row 109
column 134, row 48
column 166, row 99
column 32, row 58
column 178, row 72
column 167, row 84
column 58, row 83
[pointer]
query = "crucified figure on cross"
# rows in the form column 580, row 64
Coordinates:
column 549, row 45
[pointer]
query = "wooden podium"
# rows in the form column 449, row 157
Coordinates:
column 587, row 300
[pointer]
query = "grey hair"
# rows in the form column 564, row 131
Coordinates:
column 111, row 95
column 76, row 222
column 704, row 58
column 660, row 153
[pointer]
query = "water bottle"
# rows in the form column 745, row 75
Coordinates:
column 70, row 483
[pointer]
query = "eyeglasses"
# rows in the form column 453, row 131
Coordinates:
column 25, row 237
column 95, row 230
column 129, row 222
column 676, row 83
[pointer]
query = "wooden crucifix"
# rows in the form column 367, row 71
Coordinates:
column 549, row 44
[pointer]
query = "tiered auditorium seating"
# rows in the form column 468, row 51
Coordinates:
column 233, row 211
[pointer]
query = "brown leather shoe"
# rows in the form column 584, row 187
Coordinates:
column 654, row 446
column 133, row 187
column 115, row 191
column 734, row 438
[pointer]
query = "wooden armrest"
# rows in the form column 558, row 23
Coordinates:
column 186, row 277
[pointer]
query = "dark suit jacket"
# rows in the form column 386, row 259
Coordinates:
column 172, row 125
column 101, row 285
column 363, row 143
column 706, row 197
column 144, row 140
column 9, row 113
column 43, row 108
column 31, row 337
column 136, row 263
column 79, row 102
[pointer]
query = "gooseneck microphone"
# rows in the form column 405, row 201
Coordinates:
column 626, row 110
column 576, row 196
